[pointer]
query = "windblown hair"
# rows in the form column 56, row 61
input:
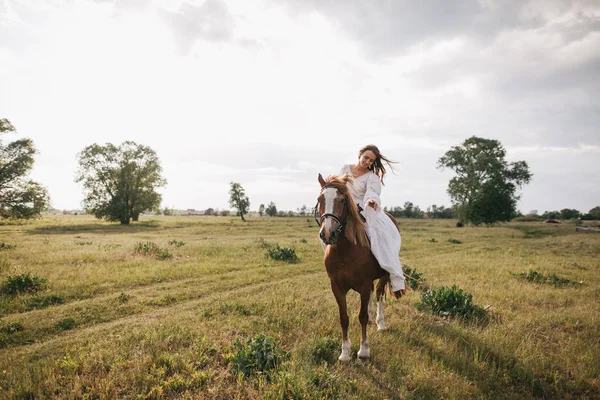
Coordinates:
column 378, row 167
column 355, row 229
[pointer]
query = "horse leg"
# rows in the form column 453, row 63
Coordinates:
column 340, row 297
column 379, row 295
column 371, row 307
column 363, row 317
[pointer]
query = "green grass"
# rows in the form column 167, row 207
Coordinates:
column 114, row 319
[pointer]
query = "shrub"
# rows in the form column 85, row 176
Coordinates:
column 11, row 327
column 256, row 355
column 24, row 283
column 414, row 279
column 123, row 298
column 43, row 302
column 450, row 302
column 6, row 246
column 455, row 241
column 287, row 254
column 552, row 279
column 432, row 240
column 148, row 248
column 65, row 324
column 176, row 243
column 152, row 249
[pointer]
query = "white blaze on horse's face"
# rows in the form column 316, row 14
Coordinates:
column 329, row 195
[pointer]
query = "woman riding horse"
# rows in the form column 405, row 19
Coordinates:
column 368, row 174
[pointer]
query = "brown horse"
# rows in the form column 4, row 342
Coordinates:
column 348, row 258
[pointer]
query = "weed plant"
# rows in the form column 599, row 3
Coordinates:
column 414, row 279
column 450, row 302
column 23, row 283
column 6, row 246
column 256, row 355
column 551, row 279
column 152, row 249
column 287, row 254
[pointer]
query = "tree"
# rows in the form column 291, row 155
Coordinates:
column 485, row 188
column 238, row 199
column 261, row 210
column 120, row 182
column 594, row 213
column 271, row 209
column 567, row 213
column 19, row 197
column 303, row 210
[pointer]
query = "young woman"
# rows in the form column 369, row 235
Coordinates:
column 368, row 174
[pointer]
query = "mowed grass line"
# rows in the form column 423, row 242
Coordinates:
column 175, row 332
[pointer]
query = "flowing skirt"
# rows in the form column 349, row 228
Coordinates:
column 385, row 245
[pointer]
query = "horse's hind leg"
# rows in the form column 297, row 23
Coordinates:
column 371, row 306
column 379, row 294
column 340, row 297
column 363, row 317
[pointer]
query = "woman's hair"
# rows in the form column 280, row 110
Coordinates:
column 377, row 166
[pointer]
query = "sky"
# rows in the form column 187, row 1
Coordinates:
column 270, row 93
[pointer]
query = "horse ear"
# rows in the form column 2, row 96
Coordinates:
column 321, row 180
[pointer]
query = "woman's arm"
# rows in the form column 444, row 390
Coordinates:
column 373, row 192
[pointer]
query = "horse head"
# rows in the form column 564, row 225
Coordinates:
column 331, row 211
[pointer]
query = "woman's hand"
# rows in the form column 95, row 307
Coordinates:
column 372, row 203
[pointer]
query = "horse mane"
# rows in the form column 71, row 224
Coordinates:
column 355, row 229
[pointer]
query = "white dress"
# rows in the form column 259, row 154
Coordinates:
column 383, row 234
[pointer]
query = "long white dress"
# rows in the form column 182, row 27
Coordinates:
column 383, row 234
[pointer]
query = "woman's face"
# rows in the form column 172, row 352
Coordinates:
column 367, row 159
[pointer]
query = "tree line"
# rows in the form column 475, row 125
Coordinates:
column 120, row 182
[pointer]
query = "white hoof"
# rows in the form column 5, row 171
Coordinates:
column 345, row 356
column 364, row 351
column 381, row 327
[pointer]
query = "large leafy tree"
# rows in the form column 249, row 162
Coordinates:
column 19, row 196
column 484, row 190
column 238, row 199
column 120, row 182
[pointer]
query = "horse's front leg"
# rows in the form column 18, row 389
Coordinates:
column 340, row 297
column 363, row 316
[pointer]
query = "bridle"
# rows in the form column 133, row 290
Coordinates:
column 340, row 220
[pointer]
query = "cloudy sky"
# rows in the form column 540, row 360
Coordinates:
column 269, row 93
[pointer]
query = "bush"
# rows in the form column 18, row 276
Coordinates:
column 11, row 327
column 176, row 243
column 414, row 279
column 450, row 302
column 552, row 279
column 287, row 254
column 148, row 248
column 24, row 283
column 66, row 324
column 152, row 249
column 256, row 355
column 43, row 302
column 455, row 241
column 6, row 246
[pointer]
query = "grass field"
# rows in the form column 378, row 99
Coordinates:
column 120, row 318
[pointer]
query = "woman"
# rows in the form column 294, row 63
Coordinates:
column 367, row 176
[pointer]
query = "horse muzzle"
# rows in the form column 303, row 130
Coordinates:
column 329, row 236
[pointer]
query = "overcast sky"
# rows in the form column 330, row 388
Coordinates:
column 269, row 93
